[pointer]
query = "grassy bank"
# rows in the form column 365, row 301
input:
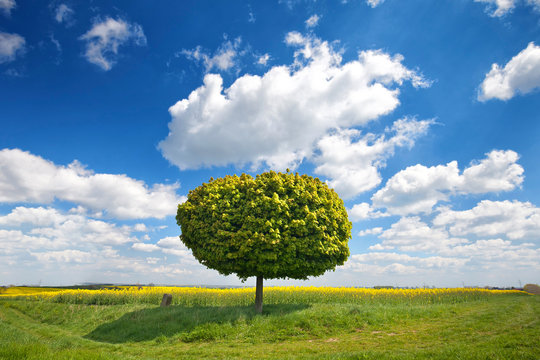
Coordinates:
column 494, row 326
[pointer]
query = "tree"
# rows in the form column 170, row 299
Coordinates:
column 278, row 225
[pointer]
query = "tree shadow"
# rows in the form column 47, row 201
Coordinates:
column 148, row 324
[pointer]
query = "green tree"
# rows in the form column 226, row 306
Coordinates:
column 278, row 225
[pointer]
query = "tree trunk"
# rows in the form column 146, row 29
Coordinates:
column 259, row 295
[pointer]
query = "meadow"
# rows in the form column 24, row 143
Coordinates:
column 297, row 323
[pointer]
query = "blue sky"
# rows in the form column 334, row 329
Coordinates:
column 422, row 115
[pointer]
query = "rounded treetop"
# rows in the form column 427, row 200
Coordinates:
column 278, row 225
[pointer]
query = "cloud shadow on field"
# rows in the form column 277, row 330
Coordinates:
column 189, row 323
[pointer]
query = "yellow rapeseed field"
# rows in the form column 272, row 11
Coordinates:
column 198, row 296
column 27, row 290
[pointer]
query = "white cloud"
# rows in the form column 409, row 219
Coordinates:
column 105, row 37
column 372, row 231
column 498, row 172
column 363, row 211
column 11, row 46
column 497, row 251
column 486, row 261
column 278, row 117
column 152, row 260
column 119, row 195
column 171, row 242
column 172, row 245
column 171, row 270
column 380, row 247
column 520, row 75
column 411, row 234
column 140, row 227
column 351, row 160
column 513, row 219
column 263, row 59
column 65, row 256
column 374, row 3
column 6, row 6
column 169, row 245
column 63, row 14
column 41, row 228
column 145, row 247
column 14, row 241
column 183, row 253
column 418, row 188
column 451, row 237
column 403, row 264
column 33, row 216
column 312, row 21
column 498, row 8
column 225, row 57
column 68, row 247
column 432, row 261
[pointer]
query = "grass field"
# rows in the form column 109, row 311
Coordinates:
column 297, row 323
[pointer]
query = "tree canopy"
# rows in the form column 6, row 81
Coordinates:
column 277, row 225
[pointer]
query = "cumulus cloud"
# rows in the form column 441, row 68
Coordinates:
column 118, row 195
column 494, row 236
column 402, row 264
column 276, row 119
column 171, row 242
column 65, row 256
column 145, row 247
column 14, row 240
column 6, row 6
column 494, row 261
column 410, row 234
column 169, row 245
column 498, row 172
column 372, row 231
column 70, row 247
column 520, row 75
column 418, row 188
column 312, row 21
column 37, row 217
column 63, row 14
column 140, row 227
column 105, row 37
column 26, row 228
column 351, row 160
column 364, row 211
column 500, row 256
column 11, row 46
column 512, row 219
column 225, row 57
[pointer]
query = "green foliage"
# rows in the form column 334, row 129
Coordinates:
column 275, row 226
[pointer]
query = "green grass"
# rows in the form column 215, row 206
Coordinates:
column 497, row 327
